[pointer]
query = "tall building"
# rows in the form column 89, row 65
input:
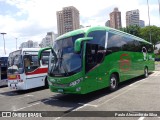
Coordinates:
column 115, row 19
column 107, row 23
column 132, row 17
column 48, row 40
column 67, row 20
column 141, row 23
column 29, row 44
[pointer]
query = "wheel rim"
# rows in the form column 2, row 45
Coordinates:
column 113, row 82
column 146, row 72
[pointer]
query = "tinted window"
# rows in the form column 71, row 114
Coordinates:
column 98, row 37
column 115, row 42
column 137, row 47
column 129, row 44
column 149, row 48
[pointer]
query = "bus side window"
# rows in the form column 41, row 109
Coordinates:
column 45, row 58
column 27, row 62
column 115, row 42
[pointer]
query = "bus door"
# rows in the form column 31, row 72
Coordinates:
column 90, row 64
column 95, row 53
column 94, row 69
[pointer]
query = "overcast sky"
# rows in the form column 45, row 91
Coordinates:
column 32, row 19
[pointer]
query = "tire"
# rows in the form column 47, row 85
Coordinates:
column 46, row 83
column 113, row 82
column 145, row 72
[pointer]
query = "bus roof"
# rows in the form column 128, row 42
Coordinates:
column 27, row 49
column 89, row 29
column 81, row 31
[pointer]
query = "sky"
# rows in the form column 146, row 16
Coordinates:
column 32, row 19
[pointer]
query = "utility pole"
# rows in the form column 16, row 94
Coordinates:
column 159, row 8
column 4, row 42
column 16, row 43
column 149, row 23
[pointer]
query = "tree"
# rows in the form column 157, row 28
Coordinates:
column 154, row 31
column 132, row 29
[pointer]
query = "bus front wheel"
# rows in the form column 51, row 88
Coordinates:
column 113, row 82
column 145, row 72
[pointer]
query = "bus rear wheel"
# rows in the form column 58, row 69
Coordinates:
column 113, row 82
column 145, row 72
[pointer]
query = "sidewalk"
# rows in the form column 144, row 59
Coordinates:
column 157, row 66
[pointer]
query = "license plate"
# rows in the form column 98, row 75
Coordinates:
column 60, row 90
column 13, row 86
column 11, row 76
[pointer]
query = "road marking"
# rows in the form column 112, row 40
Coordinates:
column 23, row 97
column 34, row 104
column 141, row 118
column 83, row 105
column 88, row 104
column 141, row 82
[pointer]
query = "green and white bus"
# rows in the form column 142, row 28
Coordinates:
column 92, row 58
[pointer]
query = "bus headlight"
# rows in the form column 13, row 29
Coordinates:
column 75, row 82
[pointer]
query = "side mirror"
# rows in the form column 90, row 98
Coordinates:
column 78, row 42
column 41, row 51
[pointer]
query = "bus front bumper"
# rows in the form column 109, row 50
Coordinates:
column 69, row 90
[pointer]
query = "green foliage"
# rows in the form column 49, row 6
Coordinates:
column 133, row 29
column 154, row 31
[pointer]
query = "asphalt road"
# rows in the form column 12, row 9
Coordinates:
column 138, row 94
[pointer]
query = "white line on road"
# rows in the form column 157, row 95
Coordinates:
column 88, row 104
column 83, row 105
column 23, row 97
column 141, row 82
column 34, row 104
column 141, row 118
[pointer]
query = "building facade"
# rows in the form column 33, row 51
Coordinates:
column 67, row 20
column 115, row 19
column 107, row 23
column 48, row 40
column 141, row 23
column 132, row 17
column 29, row 44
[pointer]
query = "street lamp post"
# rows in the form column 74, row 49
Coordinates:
column 149, row 23
column 16, row 43
column 159, row 8
column 4, row 42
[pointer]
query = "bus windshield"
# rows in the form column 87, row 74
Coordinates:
column 15, row 64
column 66, row 62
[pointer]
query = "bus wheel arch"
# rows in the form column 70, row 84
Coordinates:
column 146, row 72
column 114, row 80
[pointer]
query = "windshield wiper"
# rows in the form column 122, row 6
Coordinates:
column 55, row 61
column 64, row 65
